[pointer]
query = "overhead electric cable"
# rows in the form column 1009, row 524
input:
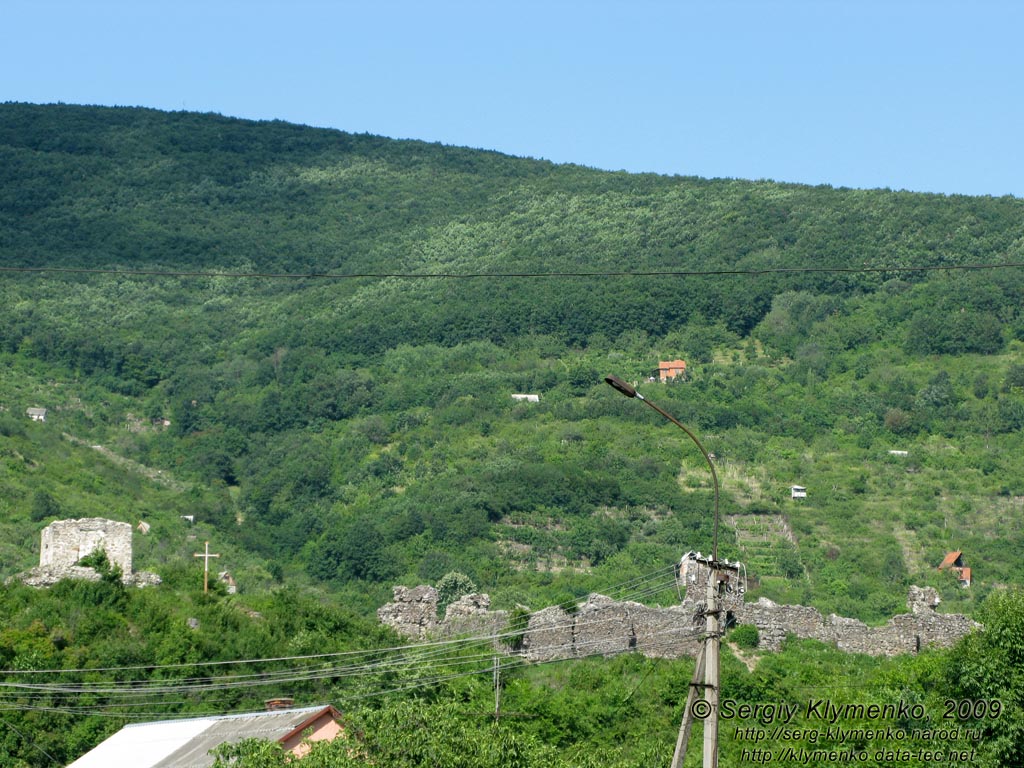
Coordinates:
column 433, row 661
column 31, row 741
column 631, row 589
column 508, row 275
column 597, row 648
column 437, row 659
column 374, row 670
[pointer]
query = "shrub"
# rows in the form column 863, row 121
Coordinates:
column 745, row 636
column 451, row 587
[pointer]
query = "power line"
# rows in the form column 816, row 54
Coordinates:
column 477, row 665
column 435, row 659
column 508, row 275
column 646, row 585
column 377, row 672
column 437, row 666
column 425, row 664
column 31, row 741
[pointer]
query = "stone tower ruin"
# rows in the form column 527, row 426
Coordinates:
column 65, row 542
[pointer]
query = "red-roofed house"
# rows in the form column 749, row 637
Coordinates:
column 672, row 369
column 954, row 563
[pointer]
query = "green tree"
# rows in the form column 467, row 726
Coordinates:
column 988, row 665
column 43, row 506
column 451, row 587
column 251, row 753
column 1014, row 378
column 745, row 636
column 352, row 551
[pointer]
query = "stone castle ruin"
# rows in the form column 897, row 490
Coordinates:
column 65, row 542
column 601, row 625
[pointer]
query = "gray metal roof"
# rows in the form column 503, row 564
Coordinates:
column 143, row 745
column 187, row 743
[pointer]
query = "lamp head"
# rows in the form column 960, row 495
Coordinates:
column 616, row 383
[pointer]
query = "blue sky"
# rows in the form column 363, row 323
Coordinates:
column 906, row 94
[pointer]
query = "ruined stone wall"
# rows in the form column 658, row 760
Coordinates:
column 65, row 542
column 412, row 612
column 549, row 635
column 472, row 615
column 905, row 633
column 774, row 622
column 605, row 626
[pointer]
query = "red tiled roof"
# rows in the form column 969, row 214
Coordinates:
column 951, row 558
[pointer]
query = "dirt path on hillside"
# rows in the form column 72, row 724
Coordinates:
column 156, row 475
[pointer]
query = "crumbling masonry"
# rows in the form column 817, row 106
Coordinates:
column 605, row 626
column 65, row 542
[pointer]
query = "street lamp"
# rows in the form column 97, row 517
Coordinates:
column 630, row 391
column 708, row 662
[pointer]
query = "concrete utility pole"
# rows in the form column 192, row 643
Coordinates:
column 707, row 661
column 206, row 566
column 691, row 697
column 497, row 689
column 719, row 575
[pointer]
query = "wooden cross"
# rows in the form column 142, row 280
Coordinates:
column 206, row 566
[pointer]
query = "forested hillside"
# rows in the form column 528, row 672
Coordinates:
column 309, row 340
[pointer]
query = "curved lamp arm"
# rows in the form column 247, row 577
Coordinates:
column 630, row 391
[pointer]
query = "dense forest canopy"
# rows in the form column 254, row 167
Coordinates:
column 308, row 341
